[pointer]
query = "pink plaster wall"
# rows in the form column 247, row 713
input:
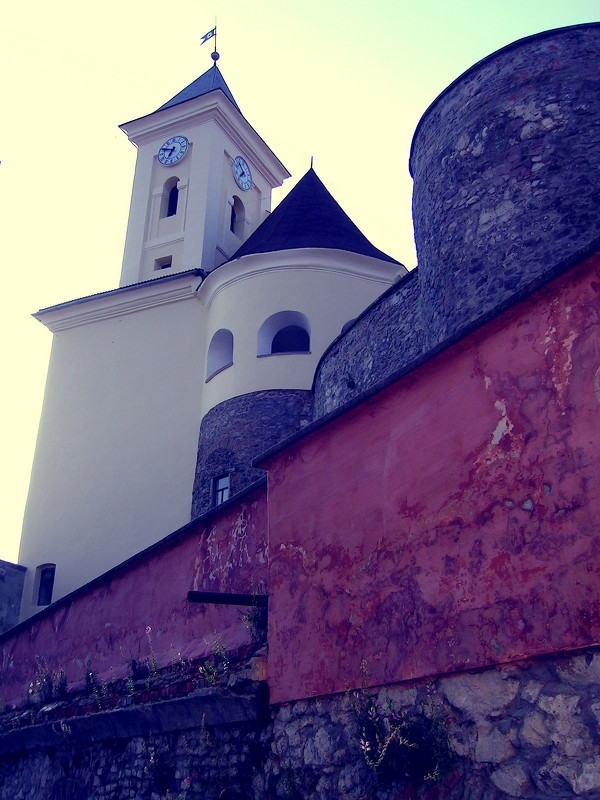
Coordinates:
column 453, row 520
column 103, row 628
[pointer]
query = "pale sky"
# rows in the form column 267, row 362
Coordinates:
column 345, row 82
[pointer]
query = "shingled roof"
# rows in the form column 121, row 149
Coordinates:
column 208, row 82
column 309, row 217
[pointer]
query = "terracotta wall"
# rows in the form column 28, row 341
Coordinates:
column 453, row 520
column 103, row 626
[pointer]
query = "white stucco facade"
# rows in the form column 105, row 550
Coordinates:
column 133, row 371
column 116, row 450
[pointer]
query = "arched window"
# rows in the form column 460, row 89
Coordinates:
column 170, row 196
column 291, row 339
column 284, row 332
column 238, row 217
column 220, row 352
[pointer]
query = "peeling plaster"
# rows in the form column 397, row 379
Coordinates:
column 103, row 627
column 461, row 537
column 504, row 426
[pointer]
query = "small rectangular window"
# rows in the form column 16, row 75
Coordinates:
column 220, row 489
column 45, row 584
column 163, row 263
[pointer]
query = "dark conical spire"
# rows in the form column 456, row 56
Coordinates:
column 208, row 82
column 309, row 217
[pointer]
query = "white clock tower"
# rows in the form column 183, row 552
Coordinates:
column 202, row 183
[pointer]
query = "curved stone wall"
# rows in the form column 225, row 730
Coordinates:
column 233, row 433
column 384, row 339
column 506, row 167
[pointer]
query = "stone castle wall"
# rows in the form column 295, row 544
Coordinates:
column 386, row 338
column 528, row 730
column 236, row 431
column 506, row 168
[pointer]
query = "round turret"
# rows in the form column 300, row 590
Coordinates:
column 506, row 168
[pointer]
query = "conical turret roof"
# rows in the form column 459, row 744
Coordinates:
column 208, row 82
column 309, row 217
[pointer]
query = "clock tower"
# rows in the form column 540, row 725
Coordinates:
column 202, row 184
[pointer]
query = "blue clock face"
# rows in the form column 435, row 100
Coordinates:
column 242, row 174
column 173, row 150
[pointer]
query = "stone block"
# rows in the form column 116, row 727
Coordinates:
column 481, row 694
column 511, row 779
column 535, row 730
column 493, row 746
column 580, row 670
column 584, row 778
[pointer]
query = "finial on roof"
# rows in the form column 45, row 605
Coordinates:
column 215, row 56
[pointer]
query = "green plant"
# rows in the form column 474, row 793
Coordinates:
column 255, row 618
column 142, row 668
column 178, row 663
column 401, row 746
column 41, row 687
column 153, row 662
column 215, row 668
column 91, row 687
column 159, row 767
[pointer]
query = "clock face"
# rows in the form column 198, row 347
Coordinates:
column 173, row 150
column 242, row 174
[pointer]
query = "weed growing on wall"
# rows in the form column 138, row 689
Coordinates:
column 159, row 768
column 47, row 685
column 401, row 747
column 215, row 669
column 178, row 663
column 255, row 618
column 153, row 663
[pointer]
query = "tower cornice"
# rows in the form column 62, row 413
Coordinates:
column 311, row 259
column 118, row 302
column 212, row 107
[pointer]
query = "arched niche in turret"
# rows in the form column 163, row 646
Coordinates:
column 220, row 352
column 284, row 332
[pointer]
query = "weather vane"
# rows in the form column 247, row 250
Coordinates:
column 214, row 55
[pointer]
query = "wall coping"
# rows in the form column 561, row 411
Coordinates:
column 206, row 707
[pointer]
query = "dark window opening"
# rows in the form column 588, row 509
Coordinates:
column 46, row 585
column 163, row 263
column 237, row 220
column 291, row 339
column 172, row 202
column 220, row 489
column 170, row 198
